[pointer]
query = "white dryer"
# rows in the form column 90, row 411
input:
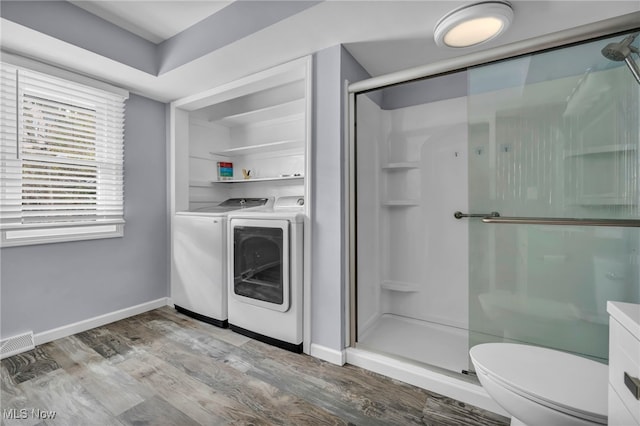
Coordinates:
column 265, row 273
column 199, row 269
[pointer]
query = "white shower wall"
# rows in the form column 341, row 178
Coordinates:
column 368, row 197
column 412, row 177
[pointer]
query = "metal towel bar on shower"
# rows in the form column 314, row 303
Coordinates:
column 563, row 221
column 494, row 217
column 460, row 215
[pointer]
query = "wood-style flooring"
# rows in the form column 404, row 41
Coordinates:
column 163, row 368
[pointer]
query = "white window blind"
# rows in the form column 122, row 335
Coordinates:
column 10, row 165
column 62, row 155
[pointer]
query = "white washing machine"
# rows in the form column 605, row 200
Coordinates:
column 265, row 273
column 199, row 255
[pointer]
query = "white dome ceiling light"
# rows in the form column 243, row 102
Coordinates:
column 473, row 24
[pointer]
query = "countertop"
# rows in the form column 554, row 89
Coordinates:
column 627, row 314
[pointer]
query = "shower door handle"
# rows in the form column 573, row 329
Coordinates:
column 460, row 215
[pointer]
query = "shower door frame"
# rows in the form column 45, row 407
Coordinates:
column 609, row 27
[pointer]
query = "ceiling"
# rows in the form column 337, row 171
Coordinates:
column 155, row 21
column 384, row 36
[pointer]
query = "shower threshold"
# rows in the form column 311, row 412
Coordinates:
column 426, row 342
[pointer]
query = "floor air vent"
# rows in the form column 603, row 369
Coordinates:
column 16, row 344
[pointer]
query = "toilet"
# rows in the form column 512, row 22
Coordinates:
column 540, row 386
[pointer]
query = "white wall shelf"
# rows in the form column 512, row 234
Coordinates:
column 293, row 110
column 400, row 286
column 259, row 179
column 265, row 147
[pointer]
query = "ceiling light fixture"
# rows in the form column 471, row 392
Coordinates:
column 473, row 24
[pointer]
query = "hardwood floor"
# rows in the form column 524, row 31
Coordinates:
column 163, row 368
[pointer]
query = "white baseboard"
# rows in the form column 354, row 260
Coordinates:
column 327, row 354
column 84, row 325
column 433, row 381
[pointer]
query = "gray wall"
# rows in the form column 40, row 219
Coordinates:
column 46, row 286
column 331, row 67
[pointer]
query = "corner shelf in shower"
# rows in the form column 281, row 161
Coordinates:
column 400, row 203
column 400, row 286
column 605, row 149
column 615, row 188
column 401, row 166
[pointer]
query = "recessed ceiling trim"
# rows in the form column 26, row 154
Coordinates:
column 161, row 21
column 236, row 21
column 64, row 21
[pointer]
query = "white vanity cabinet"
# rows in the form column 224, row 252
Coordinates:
column 624, row 363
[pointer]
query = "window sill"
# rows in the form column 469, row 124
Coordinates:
column 23, row 235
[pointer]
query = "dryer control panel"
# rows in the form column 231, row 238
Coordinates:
column 289, row 203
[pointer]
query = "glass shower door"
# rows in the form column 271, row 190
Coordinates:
column 552, row 135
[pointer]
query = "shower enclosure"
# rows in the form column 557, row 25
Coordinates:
column 498, row 203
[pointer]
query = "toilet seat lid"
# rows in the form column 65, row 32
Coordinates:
column 558, row 380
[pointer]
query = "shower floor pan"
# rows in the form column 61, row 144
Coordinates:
column 426, row 342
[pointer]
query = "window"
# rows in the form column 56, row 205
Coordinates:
column 61, row 160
